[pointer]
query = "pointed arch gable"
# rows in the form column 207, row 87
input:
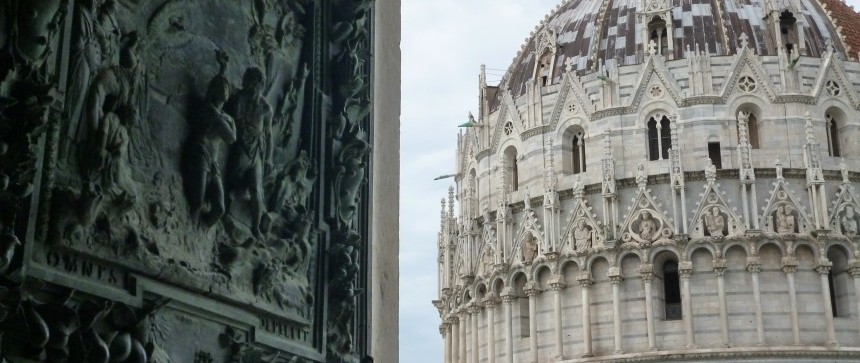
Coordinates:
column 747, row 64
column 702, row 222
column 529, row 226
column 655, row 68
column 581, row 211
column 782, row 197
column 644, row 203
column 832, row 68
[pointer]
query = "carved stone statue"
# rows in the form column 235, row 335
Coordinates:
column 529, row 249
column 583, row 236
column 647, row 226
column 641, row 177
column 487, row 260
column 715, row 222
column 216, row 127
column 253, row 149
column 849, row 221
column 785, row 220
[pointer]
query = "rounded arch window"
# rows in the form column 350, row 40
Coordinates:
column 659, row 137
column 574, row 158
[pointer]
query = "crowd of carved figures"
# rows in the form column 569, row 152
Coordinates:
column 228, row 204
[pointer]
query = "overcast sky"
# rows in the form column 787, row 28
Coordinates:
column 444, row 44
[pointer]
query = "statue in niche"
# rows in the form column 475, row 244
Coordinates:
column 849, row 221
column 715, row 222
column 583, row 236
column 785, row 220
column 293, row 185
column 112, row 108
column 647, row 226
column 530, row 249
column 216, row 127
column 487, row 260
column 252, row 152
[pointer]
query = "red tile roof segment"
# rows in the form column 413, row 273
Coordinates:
column 849, row 19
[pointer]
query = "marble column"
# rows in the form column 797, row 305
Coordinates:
column 824, row 272
column 719, row 273
column 647, row 276
column 445, row 330
column 585, row 282
column 490, row 307
column 508, row 298
column 557, row 286
column 855, row 274
column 455, row 340
column 754, row 268
column 464, row 322
column 686, row 272
column 615, row 278
column 475, row 310
column 790, row 268
column 532, row 292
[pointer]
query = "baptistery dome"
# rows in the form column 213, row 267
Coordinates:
column 661, row 180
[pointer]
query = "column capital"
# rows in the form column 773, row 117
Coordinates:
column 824, row 267
column 685, row 269
column 753, row 265
column 789, row 264
column 557, row 286
column 453, row 320
column 474, row 309
column 443, row 329
column 646, row 271
column 508, row 296
column 532, row 291
column 490, row 300
column 719, row 271
column 616, row 279
column 585, row 280
column 854, row 271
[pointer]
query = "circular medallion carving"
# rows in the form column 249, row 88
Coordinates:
column 747, row 84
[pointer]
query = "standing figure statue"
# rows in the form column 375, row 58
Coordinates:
column 253, row 148
column 530, row 249
column 87, row 60
column 785, row 221
column 215, row 127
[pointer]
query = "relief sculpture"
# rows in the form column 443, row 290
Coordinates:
column 227, row 161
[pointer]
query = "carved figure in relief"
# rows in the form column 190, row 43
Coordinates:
column 785, row 220
column 647, row 226
column 252, row 152
column 488, row 260
column 530, row 249
column 108, row 31
column 583, row 236
column 715, row 222
column 87, row 59
column 216, row 127
column 849, row 221
column 37, row 23
column 112, row 108
column 350, row 173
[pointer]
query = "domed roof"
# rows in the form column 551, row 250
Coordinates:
column 579, row 34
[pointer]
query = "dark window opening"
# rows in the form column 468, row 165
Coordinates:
column 714, row 154
column 653, row 141
column 752, row 131
column 672, row 290
column 832, row 135
column 659, row 35
column 515, row 175
column 665, row 137
column 832, row 294
column 578, row 154
column 787, row 26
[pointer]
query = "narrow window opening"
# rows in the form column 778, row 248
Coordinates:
column 672, row 290
column 714, row 154
column 832, row 286
column 515, row 175
column 659, row 35
column 752, row 130
column 832, row 135
column 653, row 141
column 665, row 137
column 787, row 27
column 578, row 149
